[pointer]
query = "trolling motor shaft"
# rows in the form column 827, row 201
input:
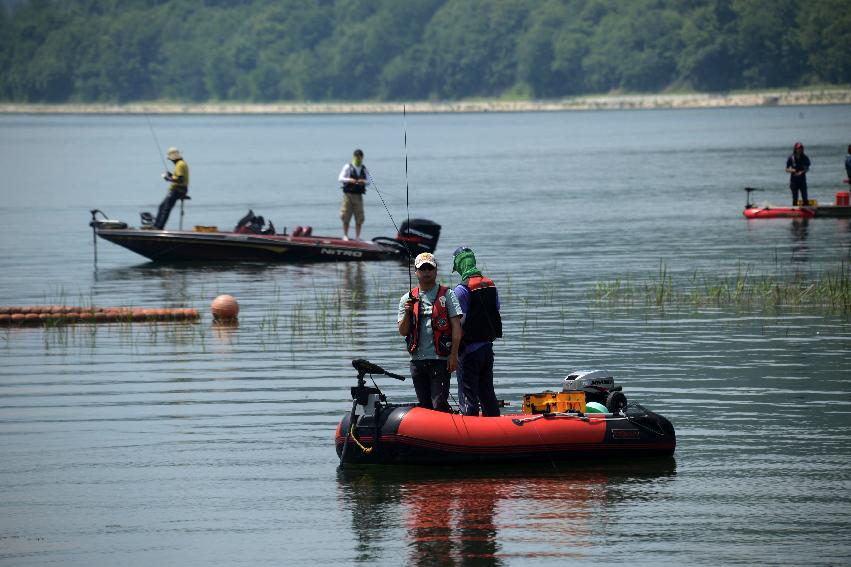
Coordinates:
column 366, row 397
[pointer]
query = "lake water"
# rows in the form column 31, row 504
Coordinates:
column 192, row 444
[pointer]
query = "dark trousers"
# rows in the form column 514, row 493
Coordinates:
column 796, row 188
column 475, row 382
column 166, row 206
column 431, row 383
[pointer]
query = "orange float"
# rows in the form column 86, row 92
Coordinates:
column 224, row 308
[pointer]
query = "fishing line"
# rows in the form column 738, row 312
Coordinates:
column 157, row 142
column 375, row 186
column 407, row 205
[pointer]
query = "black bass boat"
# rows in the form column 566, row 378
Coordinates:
column 377, row 432
column 251, row 241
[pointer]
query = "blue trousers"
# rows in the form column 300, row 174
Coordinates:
column 799, row 187
column 166, row 206
column 475, row 382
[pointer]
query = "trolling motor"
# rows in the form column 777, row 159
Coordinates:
column 748, row 191
column 365, row 399
column 99, row 224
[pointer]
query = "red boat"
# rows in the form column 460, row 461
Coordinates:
column 766, row 211
column 251, row 241
column 404, row 434
column 771, row 212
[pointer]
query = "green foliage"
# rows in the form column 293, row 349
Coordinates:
column 269, row 50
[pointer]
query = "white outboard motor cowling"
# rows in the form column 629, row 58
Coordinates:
column 599, row 386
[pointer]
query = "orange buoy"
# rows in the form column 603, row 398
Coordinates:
column 224, row 308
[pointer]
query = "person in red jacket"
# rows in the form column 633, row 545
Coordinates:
column 430, row 320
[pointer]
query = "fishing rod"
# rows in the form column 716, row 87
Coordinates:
column 407, row 191
column 407, row 201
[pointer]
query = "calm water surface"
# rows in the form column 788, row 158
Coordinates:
column 196, row 445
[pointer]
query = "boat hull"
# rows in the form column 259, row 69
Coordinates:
column 413, row 435
column 832, row 212
column 177, row 246
column 778, row 212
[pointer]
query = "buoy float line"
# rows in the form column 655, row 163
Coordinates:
column 66, row 314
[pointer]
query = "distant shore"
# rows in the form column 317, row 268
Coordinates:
column 599, row 102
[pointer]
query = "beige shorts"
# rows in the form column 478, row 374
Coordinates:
column 352, row 205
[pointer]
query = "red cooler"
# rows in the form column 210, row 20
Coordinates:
column 842, row 198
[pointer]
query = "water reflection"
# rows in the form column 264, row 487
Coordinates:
column 462, row 517
column 159, row 270
column 800, row 230
column 225, row 331
column 355, row 282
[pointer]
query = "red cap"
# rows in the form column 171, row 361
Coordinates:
column 798, row 145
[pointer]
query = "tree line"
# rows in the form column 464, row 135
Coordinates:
column 362, row 50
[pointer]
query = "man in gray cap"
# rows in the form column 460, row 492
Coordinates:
column 481, row 325
column 177, row 190
column 429, row 319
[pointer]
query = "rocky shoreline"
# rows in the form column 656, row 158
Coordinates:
column 601, row 102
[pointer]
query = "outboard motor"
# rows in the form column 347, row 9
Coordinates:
column 421, row 235
column 253, row 224
column 599, row 386
column 414, row 237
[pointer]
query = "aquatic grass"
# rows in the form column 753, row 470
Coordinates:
column 829, row 290
column 340, row 315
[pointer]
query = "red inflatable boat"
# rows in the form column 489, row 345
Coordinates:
column 405, row 434
column 770, row 212
column 753, row 211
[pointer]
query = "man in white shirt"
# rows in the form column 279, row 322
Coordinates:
column 353, row 179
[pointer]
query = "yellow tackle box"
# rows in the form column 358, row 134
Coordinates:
column 548, row 402
column 202, row 228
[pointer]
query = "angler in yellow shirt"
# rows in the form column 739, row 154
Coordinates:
column 178, row 189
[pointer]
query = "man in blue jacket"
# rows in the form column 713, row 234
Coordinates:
column 481, row 325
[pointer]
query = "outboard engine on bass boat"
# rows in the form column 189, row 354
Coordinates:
column 414, row 237
column 253, row 224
